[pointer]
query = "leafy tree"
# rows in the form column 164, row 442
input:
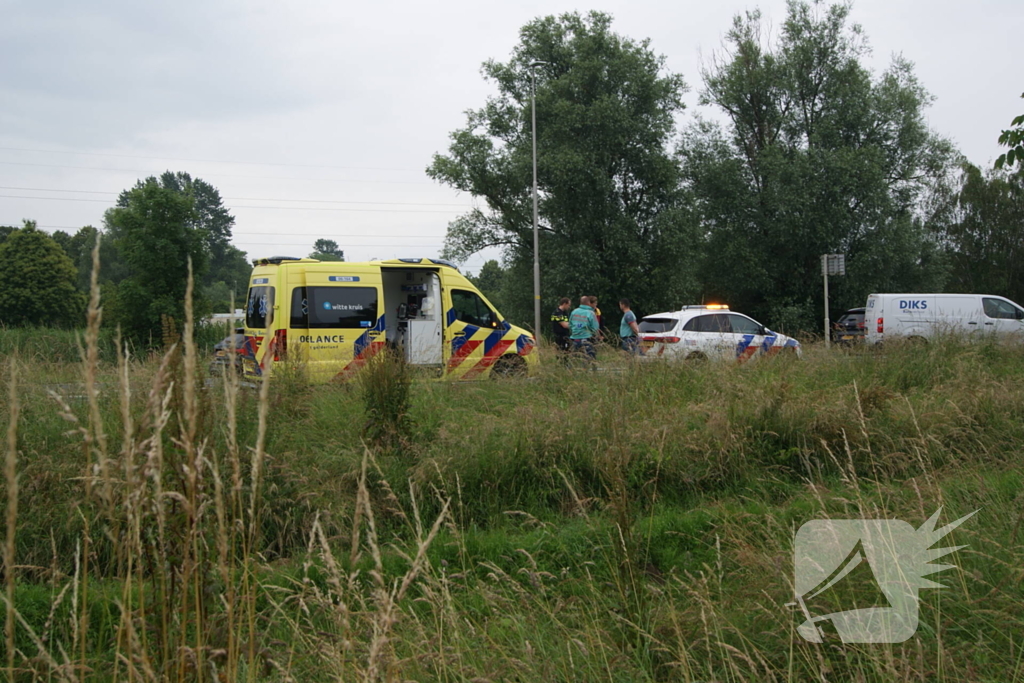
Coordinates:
column 62, row 239
column 1014, row 139
column 220, row 295
column 228, row 270
column 327, row 250
column 37, row 282
column 609, row 200
column 209, row 216
column 155, row 232
column 491, row 281
column 5, row 232
column 984, row 239
column 79, row 248
column 818, row 157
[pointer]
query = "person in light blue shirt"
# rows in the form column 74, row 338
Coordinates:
column 584, row 330
column 629, row 332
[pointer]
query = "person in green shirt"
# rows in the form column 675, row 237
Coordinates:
column 584, row 330
column 629, row 332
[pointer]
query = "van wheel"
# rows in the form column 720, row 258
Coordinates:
column 696, row 357
column 509, row 366
column 917, row 341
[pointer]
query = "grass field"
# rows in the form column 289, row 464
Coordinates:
column 634, row 524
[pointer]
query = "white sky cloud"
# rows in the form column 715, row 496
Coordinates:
column 347, row 102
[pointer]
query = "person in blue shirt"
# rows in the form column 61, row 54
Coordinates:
column 584, row 330
column 629, row 332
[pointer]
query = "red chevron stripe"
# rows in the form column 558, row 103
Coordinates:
column 359, row 361
column 463, row 352
column 488, row 360
column 747, row 353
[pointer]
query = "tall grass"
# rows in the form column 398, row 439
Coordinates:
column 632, row 524
column 61, row 346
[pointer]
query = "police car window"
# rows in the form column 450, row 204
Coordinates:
column 471, row 309
column 258, row 306
column 716, row 323
column 742, row 325
column 300, row 309
column 341, row 307
column 997, row 308
column 655, row 325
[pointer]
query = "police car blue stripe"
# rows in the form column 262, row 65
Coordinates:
column 743, row 344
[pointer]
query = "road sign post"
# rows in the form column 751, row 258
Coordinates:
column 831, row 264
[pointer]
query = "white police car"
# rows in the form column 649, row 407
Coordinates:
column 710, row 332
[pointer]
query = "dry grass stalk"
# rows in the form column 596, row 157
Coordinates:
column 11, row 478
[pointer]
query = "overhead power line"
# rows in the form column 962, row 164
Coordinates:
column 326, row 234
column 208, row 161
column 225, row 175
column 242, row 206
column 242, row 199
column 345, row 245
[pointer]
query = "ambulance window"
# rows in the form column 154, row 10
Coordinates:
column 341, row 307
column 300, row 309
column 997, row 308
column 471, row 309
column 258, row 307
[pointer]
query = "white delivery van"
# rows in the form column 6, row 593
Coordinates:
column 921, row 316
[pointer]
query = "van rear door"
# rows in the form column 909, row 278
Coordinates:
column 259, row 319
column 874, row 319
column 338, row 319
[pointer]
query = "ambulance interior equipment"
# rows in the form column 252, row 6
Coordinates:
column 414, row 323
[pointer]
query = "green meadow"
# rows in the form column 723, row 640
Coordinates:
column 633, row 524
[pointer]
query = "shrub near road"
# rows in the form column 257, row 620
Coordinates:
column 636, row 525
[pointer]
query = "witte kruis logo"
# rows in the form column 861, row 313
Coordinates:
column 887, row 554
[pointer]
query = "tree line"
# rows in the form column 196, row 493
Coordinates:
column 148, row 238
column 815, row 154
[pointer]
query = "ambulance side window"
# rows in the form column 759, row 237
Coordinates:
column 471, row 309
column 300, row 309
column 341, row 307
column 258, row 306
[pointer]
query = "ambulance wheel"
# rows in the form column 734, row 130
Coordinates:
column 509, row 366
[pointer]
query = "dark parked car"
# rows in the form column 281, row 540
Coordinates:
column 849, row 329
column 222, row 352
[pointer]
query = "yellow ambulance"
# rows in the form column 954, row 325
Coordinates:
column 330, row 317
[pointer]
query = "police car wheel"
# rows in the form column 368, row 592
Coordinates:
column 509, row 366
column 696, row 357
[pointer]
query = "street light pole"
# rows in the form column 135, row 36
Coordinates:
column 536, row 232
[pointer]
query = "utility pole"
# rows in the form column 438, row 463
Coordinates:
column 536, row 230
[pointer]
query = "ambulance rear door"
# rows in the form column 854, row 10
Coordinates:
column 338, row 319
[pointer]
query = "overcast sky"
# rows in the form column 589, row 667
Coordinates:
column 318, row 119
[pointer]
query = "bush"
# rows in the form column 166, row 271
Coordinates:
column 385, row 383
